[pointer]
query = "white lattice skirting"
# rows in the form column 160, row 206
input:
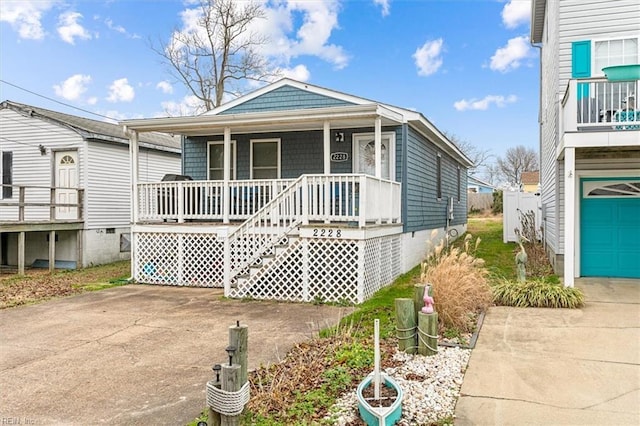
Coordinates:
column 331, row 270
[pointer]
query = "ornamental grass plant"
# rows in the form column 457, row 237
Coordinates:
column 536, row 293
column 459, row 281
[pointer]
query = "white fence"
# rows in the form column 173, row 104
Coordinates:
column 515, row 204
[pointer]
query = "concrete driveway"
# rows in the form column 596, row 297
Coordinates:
column 558, row 366
column 134, row 354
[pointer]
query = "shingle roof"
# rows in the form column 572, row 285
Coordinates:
column 94, row 129
column 530, row 178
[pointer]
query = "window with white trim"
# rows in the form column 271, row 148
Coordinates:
column 265, row 159
column 215, row 160
column 6, row 174
column 622, row 51
column 438, row 177
column 611, row 189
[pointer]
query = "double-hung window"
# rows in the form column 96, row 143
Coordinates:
column 215, row 160
column 6, row 174
column 622, row 51
column 265, row 159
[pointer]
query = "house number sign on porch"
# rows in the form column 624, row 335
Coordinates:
column 339, row 156
column 327, row 233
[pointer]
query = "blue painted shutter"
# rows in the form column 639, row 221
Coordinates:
column 581, row 65
column 581, row 59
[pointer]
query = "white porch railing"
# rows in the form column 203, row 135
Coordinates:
column 589, row 104
column 328, row 198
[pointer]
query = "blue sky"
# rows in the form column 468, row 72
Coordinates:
column 466, row 65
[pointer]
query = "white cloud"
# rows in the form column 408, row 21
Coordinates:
column 189, row 105
column 385, row 6
column 117, row 28
column 121, row 91
column 516, row 12
column 92, row 100
column 72, row 88
column 428, row 57
column 509, row 57
column 25, row 16
column 165, row 86
column 69, row 29
column 484, row 104
column 299, row 72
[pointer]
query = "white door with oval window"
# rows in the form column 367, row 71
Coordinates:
column 66, row 179
column 364, row 154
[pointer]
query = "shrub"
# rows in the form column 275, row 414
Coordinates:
column 459, row 281
column 538, row 264
column 496, row 208
column 537, row 294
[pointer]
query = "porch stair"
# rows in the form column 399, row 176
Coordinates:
column 265, row 235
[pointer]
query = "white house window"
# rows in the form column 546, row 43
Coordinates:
column 6, row 174
column 438, row 177
column 67, row 159
column 614, row 52
column 215, row 160
column 265, row 159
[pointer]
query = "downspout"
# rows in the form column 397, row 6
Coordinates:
column 543, row 213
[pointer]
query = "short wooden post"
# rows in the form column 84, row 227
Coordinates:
column 21, row 190
column 230, row 383
column 52, row 204
column 239, row 339
column 406, row 325
column 213, row 417
column 427, row 333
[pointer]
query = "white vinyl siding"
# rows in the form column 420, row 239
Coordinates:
column 23, row 136
column 107, row 195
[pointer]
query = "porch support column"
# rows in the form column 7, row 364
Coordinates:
column 327, row 169
column 133, row 156
column 227, row 175
column 52, row 251
column 569, row 215
column 378, row 146
column 327, row 147
column 21, row 249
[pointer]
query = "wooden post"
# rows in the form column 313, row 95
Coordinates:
column 21, row 190
column 406, row 325
column 213, row 417
column 52, row 205
column 427, row 333
column 52, row 251
column 21, row 248
column 239, row 338
column 230, row 383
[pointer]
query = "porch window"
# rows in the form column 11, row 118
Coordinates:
column 6, row 173
column 215, row 160
column 265, row 159
column 614, row 52
column 439, row 177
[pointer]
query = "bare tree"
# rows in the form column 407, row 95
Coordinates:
column 517, row 160
column 475, row 154
column 221, row 51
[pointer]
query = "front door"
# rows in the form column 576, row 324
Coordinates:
column 66, row 178
column 364, row 156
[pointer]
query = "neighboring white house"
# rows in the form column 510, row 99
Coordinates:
column 66, row 188
column 590, row 135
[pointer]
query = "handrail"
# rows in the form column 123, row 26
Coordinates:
column 48, row 192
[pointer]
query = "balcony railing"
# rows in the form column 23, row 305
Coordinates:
column 322, row 198
column 598, row 104
column 40, row 204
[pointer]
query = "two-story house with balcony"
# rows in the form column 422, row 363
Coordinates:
column 590, row 135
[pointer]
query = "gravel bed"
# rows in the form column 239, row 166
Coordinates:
column 431, row 386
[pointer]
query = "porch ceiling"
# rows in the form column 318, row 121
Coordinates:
column 293, row 120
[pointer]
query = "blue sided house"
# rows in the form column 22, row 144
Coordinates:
column 296, row 192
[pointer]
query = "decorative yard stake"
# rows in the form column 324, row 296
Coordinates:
column 229, row 393
column 427, row 325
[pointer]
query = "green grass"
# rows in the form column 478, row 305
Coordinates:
column 498, row 256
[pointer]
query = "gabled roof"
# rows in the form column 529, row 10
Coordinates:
column 530, row 178
column 347, row 111
column 475, row 180
column 538, row 10
column 90, row 129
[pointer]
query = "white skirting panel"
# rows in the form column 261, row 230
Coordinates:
column 416, row 246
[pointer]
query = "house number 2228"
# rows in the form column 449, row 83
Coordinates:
column 329, row 233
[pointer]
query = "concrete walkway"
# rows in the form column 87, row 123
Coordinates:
column 134, row 355
column 558, row 366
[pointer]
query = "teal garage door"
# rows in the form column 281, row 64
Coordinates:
column 610, row 228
